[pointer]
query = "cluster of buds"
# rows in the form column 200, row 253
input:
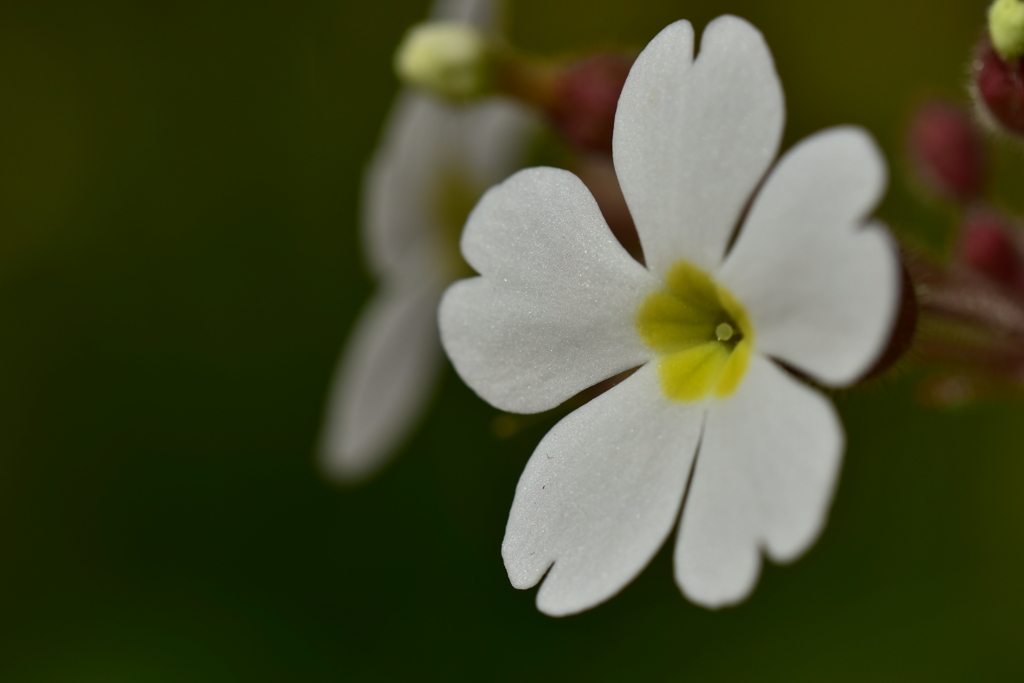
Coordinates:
column 972, row 302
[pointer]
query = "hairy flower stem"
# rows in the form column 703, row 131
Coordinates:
column 960, row 295
column 971, row 333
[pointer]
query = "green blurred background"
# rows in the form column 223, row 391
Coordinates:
column 179, row 269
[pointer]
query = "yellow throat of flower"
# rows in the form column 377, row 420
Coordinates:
column 701, row 332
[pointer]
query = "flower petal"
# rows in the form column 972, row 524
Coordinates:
column 554, row 311
column 383, row 381
column 600, row 494
column 494, row 139
column 483, row 14
column 692, row 140
column 821, row 289
column 764, row 478
column 425, row 142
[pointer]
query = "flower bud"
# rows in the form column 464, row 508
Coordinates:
column 586, row 95
column 988, row 246
column 1006, row 28
column 947, row 151
column 450, row 59
column 998, row 88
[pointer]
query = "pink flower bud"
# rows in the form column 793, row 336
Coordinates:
column 947, row 150
column 988, row 246
column 585, row 97
column 999, row 88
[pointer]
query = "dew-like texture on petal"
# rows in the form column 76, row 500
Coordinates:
column 553, row 311
column 600, row 495
column 821, row 288
column 694, row 137
column 767, row 468
column 425, row 142
column 383, row 381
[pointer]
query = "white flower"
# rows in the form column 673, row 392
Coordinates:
column 434, row 162
column 560, row 306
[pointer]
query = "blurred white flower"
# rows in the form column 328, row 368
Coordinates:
column 433, row 163
column 710, row 413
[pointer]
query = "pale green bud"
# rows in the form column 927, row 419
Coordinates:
column 1006, row 28
column 447, row 58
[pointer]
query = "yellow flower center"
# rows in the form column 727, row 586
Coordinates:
column 701, row 332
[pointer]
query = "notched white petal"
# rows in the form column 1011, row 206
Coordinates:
column 554, row 311
column 600, row 495
column 822, row 288
column 383, row 381
column 692, row 140
column 764, row 479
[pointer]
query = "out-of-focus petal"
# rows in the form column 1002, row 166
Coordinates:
column 494, row 139
column 485, row 14
column 383, row 381
column 425, row 143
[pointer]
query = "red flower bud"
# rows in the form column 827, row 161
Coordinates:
column 988, row 246
column 947, row 150
column 999, row 88
column 585, row 97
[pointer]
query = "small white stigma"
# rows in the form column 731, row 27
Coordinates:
column 449, row 59
column 724, row 332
